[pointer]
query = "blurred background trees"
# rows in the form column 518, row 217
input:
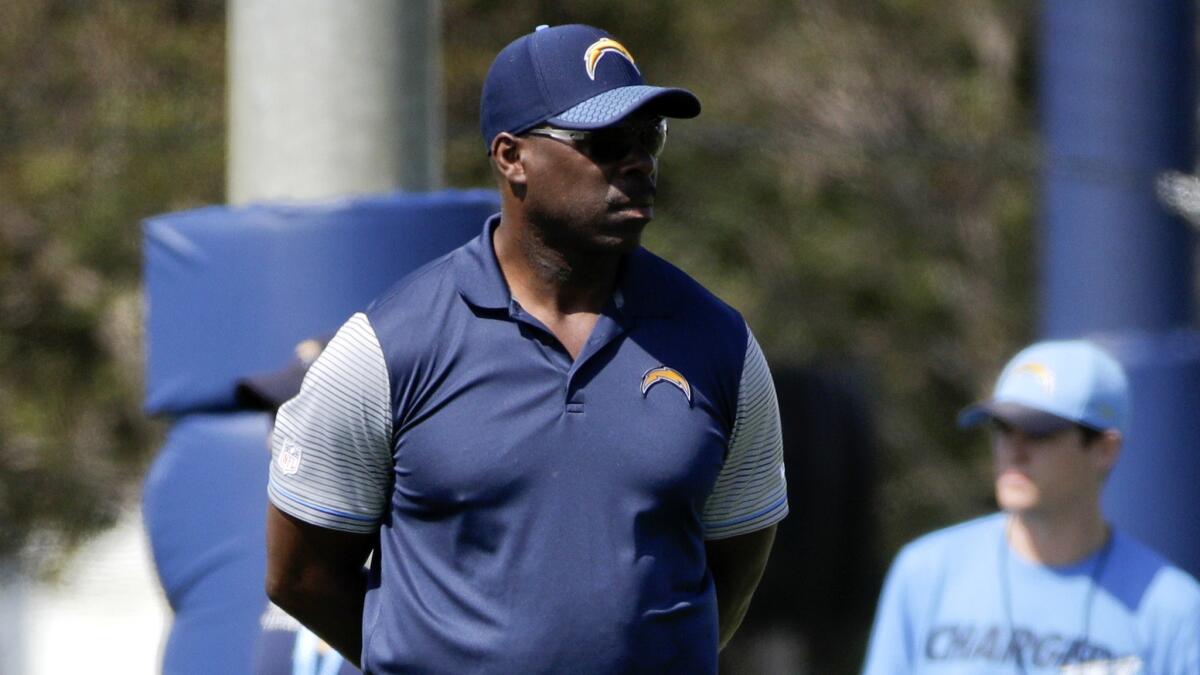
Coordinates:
column 109, row 112
column 860, row 185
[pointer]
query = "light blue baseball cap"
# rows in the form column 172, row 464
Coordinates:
column 1049, row 386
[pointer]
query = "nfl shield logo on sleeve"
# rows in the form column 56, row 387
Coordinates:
column 289, row 457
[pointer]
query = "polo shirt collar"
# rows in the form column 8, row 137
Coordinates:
column 478, row 272
column 482, row 284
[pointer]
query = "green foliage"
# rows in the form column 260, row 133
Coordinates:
column 109, row 112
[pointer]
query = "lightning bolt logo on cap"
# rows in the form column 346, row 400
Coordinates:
column 665, row 374
column 1044, row 375
column 597, row 50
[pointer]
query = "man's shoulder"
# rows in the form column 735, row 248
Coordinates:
column 1154, row 583
column 931, row 561
column 408, row 317
column 1178, row 591
column 661, row 285
column 954, row 541
column 417, row 288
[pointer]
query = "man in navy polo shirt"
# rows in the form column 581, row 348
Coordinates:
column 564, row 453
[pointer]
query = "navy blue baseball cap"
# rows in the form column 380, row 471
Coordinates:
column 572, row 77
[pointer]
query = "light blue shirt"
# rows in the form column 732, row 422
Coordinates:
column 960, row 601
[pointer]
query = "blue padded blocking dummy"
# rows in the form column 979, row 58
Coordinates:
column 204, row 506
column 231, row 290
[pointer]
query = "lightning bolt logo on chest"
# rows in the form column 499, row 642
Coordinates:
column 668, row 375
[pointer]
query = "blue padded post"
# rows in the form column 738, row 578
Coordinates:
column 204, row 504
column 1117, row 103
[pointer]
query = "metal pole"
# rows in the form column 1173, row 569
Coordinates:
column 329, row 98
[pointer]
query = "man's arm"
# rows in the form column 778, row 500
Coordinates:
column 737, row 565
column 749, row 497
column 316, row 575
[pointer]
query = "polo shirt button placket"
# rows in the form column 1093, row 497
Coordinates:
column 541, row 336
column 575, row 399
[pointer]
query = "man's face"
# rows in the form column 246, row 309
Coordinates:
column 584, row 203
column 1045, row 474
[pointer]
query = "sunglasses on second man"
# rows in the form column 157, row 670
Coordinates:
column 611, row 144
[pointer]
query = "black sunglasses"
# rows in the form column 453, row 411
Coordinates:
column 614, row 143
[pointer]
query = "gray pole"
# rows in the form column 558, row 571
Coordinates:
column 329, row 98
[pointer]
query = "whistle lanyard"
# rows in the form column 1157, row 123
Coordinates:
column 1088, row 599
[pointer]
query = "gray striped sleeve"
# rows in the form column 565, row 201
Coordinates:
column 331, row 459
column 751, row 490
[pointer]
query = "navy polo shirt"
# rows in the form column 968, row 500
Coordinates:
column 536, row 513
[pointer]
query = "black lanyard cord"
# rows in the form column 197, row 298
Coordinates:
column 1006, row 590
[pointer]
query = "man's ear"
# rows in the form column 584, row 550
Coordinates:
column 506, row 156
column 1106, row 449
